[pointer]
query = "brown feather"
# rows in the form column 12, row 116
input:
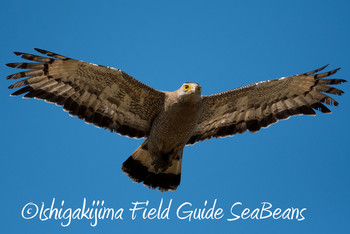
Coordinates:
column 80, row 87
column 271, row 100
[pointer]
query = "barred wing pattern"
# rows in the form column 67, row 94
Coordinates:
column 264, row 103
column 107, row 97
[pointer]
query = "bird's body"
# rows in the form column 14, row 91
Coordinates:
column 161, row 153
column 175, row 124
column 111, row 99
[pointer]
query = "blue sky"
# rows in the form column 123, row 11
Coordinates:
column 301, row 163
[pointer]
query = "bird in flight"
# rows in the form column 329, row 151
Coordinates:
column 111, row 99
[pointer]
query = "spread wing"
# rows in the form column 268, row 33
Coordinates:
column 106, row 97
column 264, row 103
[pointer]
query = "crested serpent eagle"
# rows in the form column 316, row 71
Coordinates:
column 111, row 99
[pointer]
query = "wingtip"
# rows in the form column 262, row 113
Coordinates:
column 316, row 70
column 333, row 71
column 40, row 50
column 324, row 66
column 9, row 77
column 13, row 65
column 321, row 68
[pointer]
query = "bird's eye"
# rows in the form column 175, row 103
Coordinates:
column 199, row 88
column 186, row 87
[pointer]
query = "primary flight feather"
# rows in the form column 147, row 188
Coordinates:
column 110, row 98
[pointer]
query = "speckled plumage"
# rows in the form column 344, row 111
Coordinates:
column 111, row 99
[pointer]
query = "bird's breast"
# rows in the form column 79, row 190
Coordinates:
column 174, row 126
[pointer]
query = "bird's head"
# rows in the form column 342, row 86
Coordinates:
column 189, row 91
column 191, row 88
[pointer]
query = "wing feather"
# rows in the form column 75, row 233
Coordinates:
column 107, row 97
column 261, row 104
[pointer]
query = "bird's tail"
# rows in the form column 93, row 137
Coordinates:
column 162, row 172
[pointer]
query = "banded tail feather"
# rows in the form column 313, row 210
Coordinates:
column 141, row 167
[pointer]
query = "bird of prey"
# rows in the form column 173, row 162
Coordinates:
column 111, row 99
